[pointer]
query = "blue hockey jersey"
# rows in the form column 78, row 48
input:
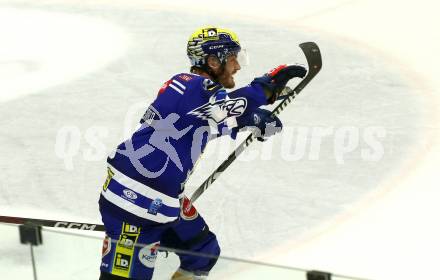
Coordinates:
column 147, row 173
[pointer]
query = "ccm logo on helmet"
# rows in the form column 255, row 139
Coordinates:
column 216, row 47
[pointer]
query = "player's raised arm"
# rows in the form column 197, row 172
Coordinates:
column 245, row 101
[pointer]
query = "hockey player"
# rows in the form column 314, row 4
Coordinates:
column 142, row 202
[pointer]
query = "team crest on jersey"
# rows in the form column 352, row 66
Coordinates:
column 221, row 109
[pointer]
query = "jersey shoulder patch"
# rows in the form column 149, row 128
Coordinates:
column 185, row 77
column 210, row 85
column 177, row 83
column 181, row 82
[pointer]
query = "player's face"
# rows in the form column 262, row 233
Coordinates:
column 231, row 67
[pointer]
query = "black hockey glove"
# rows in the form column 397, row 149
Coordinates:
column 275, row 81
column 262, row 123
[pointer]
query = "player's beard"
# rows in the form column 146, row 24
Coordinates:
column 226, row 79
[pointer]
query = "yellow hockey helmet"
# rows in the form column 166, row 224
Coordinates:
column 211, row 40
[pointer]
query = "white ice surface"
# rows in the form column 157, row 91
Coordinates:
column 86, row 64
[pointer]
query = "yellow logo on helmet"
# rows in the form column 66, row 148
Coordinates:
column 210, row 34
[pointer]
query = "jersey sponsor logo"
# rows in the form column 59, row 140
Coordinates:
column 188, row 211
column 122, row 261
column 154, row 206
column 148, row 254
column 127, row 240
column 124, row 250
column 130, row 194
column 106, row 246
column 221, row 109
column 127, row 228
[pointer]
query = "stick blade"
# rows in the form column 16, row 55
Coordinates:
column 313, row 56
column 314, row 62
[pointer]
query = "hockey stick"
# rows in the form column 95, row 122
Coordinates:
column 313, row 56
column 314, row 61
column 51, row 223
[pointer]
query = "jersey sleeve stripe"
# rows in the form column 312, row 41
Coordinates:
column 176, row 89
column 179, row 84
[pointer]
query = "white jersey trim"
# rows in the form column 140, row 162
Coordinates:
column 135, row 209
column 179, row 84
column 143, row 189
column 176, row 89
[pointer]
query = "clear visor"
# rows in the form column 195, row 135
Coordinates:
column 241, row 56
